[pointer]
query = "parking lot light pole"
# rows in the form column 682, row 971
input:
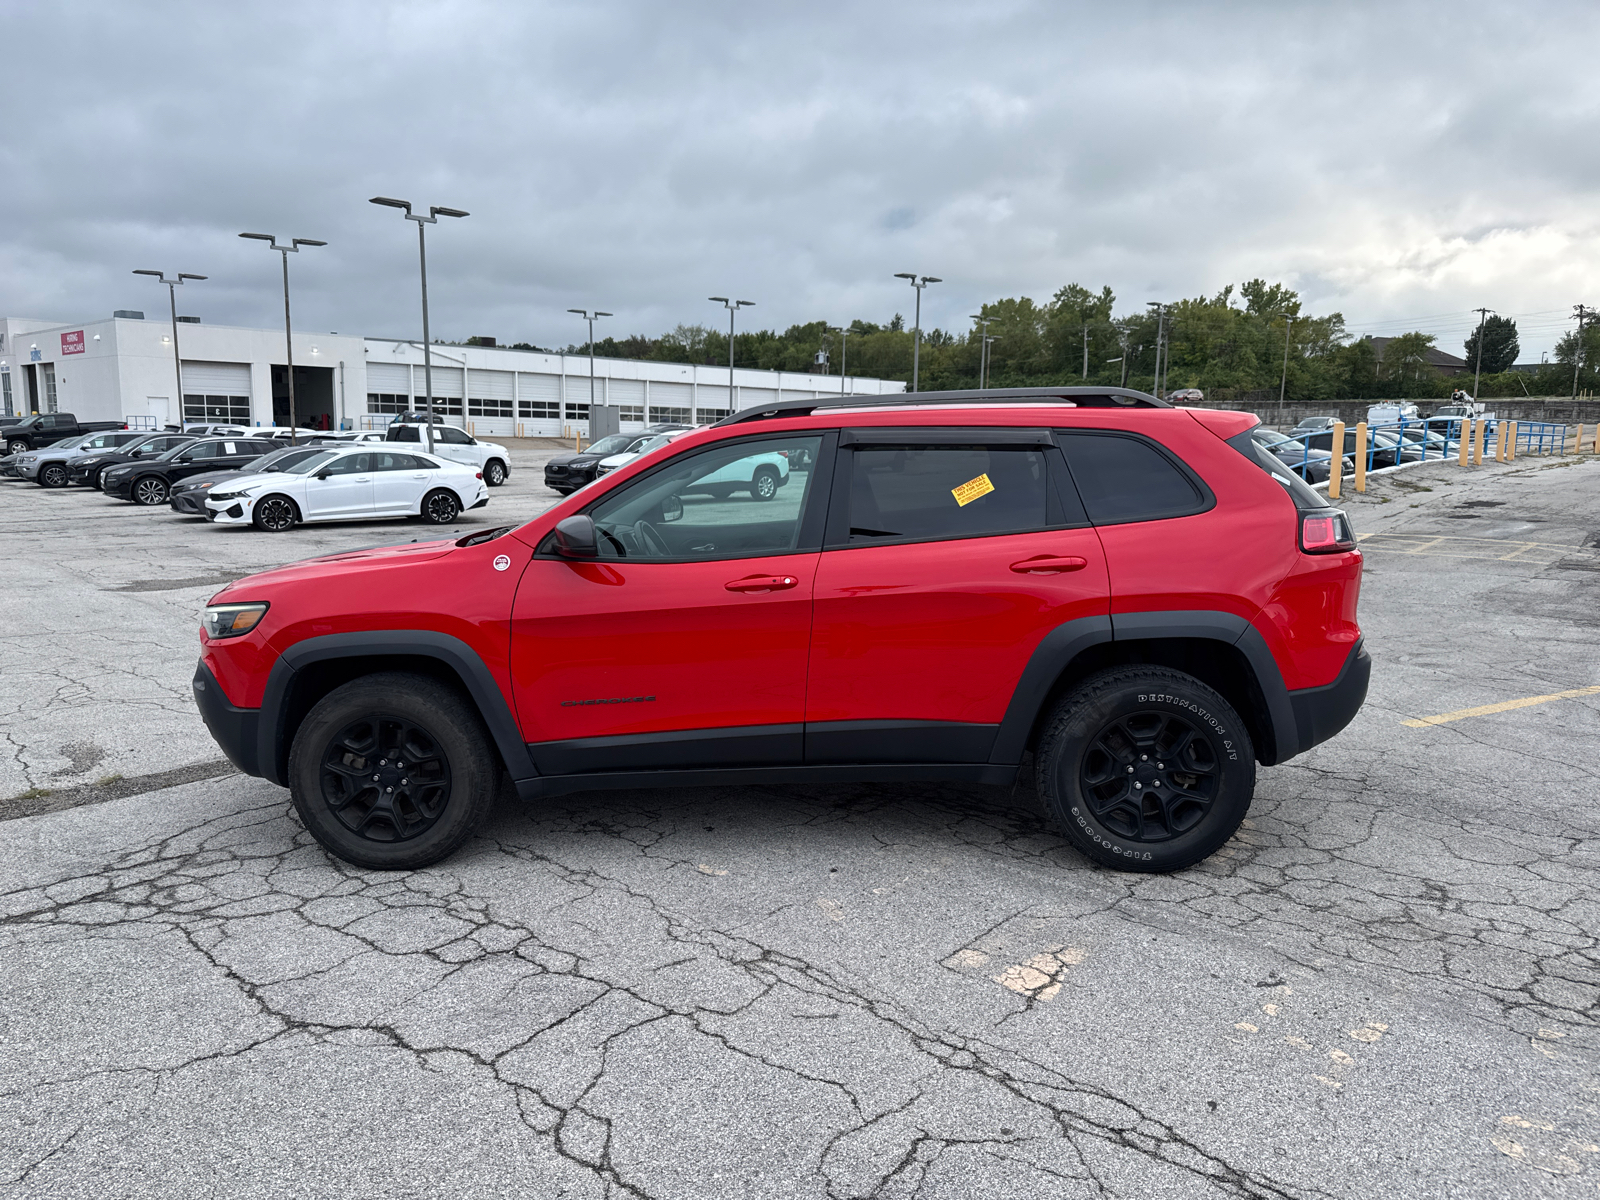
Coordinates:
column 918, row 282
column 288, row 334
column 590, row 317
column 844, row 353
column 432, row 218
column 172, row 295
column 733, row 306
column 983, row 347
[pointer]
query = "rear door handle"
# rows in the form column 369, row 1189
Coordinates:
column 762, row 583
column 1049, row 564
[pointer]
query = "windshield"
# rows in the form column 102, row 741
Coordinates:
column 615, row 444
column 282, row 460
column 305, row 466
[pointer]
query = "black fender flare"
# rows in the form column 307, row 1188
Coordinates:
column 272, row 752
column 1056, row 652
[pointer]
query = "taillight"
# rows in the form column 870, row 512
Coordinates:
column 480, row 474
column 1326, row 531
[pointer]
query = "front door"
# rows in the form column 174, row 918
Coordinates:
column 342, row 488
column 684, row 643
column 950, row 555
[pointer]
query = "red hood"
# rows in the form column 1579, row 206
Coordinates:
column 310, row 568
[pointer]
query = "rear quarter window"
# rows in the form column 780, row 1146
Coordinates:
column 1303, row 494
column 1122, row 478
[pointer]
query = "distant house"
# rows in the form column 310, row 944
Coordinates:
column 1445, row 364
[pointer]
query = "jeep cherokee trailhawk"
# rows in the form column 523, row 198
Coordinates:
column 1137, row 595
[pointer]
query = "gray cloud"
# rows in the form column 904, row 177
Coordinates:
column 1389, row 160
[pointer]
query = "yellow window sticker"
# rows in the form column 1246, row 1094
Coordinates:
column 971, row 490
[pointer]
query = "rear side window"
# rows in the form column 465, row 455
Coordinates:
column 1123, row 478
column 936, row 492
column 1303, row 494
column 404, row 433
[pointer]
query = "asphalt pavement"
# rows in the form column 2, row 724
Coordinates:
column 1385, row 985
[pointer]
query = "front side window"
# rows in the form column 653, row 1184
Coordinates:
column 350, row 464
column 451, row 436
column 1123, row 478
column 736, row 500
column 936, row 492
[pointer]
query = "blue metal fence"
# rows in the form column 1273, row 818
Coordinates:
column 1390, row 443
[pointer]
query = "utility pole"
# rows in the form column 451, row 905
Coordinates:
column 1477, row 371
column 1161, row 328
column 1577, row 356
column 916, row 344
column 1086, row 349
column 1283, row 383
column 844, row 353
column 983, row 345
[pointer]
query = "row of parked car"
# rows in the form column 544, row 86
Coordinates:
column 274, row 479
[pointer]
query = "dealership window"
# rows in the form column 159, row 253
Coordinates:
column 577, row 412
column 234, row 410
column 630, row 412
column 5, row 384
column 387, row 402
column 488, row 408
column 449, row 406
column 49, row 370
column 539, row 410
column 678, row 416
column 706, row 414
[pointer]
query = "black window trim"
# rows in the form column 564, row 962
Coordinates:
column 1208, row 497
column 1056, row 504
column 813, row 518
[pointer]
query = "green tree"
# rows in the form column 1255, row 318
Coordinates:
column 1500, row 347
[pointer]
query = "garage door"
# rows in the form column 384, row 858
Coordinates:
column 216, row 391
column 539, row 404
column 670, row 402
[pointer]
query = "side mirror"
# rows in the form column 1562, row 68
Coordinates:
column 672, row 509
column 323, row 474
column 576, row 538
column 186, row 458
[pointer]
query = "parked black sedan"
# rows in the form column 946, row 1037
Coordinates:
column 187, row 497
column 89, row 470
column 147, row 481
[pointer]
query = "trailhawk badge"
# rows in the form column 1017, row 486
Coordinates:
column 502, row 562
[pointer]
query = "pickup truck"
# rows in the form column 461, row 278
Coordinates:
column 45, row 429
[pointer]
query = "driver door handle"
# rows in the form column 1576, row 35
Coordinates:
column 1049, row 564
column 756, row 584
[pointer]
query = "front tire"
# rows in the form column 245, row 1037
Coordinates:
column 392, row 771
column 440, row 507
column 53, row 475
column 149, row 490
column 275, row 514
column 1146, row 769
column 494, row 472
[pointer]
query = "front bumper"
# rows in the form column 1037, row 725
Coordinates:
column 190, row 504
column 27, row 470
column 233, row 728
column 1321, row 712
column 235, row 512
column 120, row 489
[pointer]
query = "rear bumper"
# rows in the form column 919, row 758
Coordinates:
column 1321, row 712
column 233, row 728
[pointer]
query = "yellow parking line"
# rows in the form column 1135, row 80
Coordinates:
column 1504, row 706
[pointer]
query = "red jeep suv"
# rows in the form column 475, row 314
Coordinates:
column 1137, row 594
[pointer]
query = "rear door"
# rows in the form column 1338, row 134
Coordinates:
column 399, row 481
column 950, row 555
column 684, row 644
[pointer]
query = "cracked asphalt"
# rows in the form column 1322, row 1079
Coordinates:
column 1384, row 986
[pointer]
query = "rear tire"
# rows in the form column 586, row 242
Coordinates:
column 1146, row 769
column 436, row 771
column 53, row 475
column 16, row 447
column 149, row 490
column 765, row 484
column 494, row 472
column 440, row 507
column 275, row 514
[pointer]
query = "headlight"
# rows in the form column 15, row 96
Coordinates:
column 240, row 494
column 231, row 620
column 87, row 462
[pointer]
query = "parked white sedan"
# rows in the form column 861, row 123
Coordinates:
column 337, row 484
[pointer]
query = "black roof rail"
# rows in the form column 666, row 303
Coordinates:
column 1082, row 397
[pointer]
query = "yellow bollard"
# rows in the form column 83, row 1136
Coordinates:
column 1511, row 442
column 1361, row 456
column 1463, row 440
column 1500, row 441
column 1336, row 460
column 1479, row 432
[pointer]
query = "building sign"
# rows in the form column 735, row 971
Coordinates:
column 72, row 343
column 33, row 354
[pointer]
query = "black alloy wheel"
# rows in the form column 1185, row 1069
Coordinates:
column 440, row 507
column 393, row 771
column 53, row 475
column 275, row 514
column 494, row 472
column 149, row 489
column 385, row 778
column 765, row 485
column 1146, row 768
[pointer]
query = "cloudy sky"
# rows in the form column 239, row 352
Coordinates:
column 1403, row 164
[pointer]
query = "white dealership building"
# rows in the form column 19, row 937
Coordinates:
column 124, row 368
